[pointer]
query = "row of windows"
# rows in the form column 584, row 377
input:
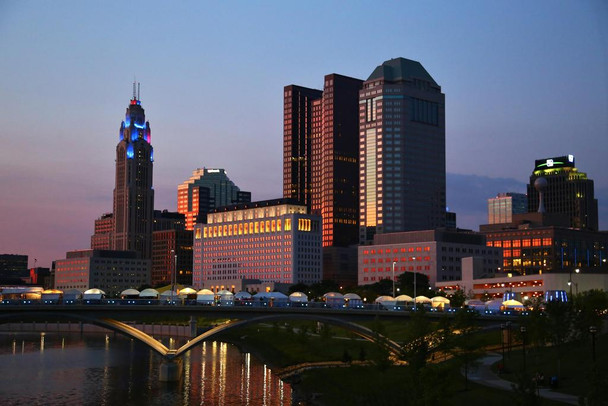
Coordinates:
column 527, row 242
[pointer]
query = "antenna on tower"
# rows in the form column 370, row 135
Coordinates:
column 138, row 84
column 134, row 88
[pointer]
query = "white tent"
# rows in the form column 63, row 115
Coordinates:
column 225, row 297
column 298, row 297
column 353, row 300
column 205, row 296
column 185, row 292
column 149, row 294
column 93, row 294
column 168, row 294
column 129, row 293
column 242, row 295
column 334, row 299
column 440, row 301
column 423, row 299
column 72, row 294
column 513, row 304
column 494, row 305
column 51, row 295
column 404, row 299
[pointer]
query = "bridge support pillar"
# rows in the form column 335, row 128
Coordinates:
column 193, row 329
column 170, row 370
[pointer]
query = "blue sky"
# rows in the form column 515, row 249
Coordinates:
column 523, row 80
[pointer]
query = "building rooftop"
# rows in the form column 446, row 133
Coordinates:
column 401, row 69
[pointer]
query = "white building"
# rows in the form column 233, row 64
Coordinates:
column 271, row 241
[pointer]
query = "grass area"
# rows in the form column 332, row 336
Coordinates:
column 282, row 345
column 396, row 386
column 573, row 368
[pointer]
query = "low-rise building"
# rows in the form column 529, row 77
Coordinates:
column 271, row 241
column 435, row 253
column 110, row 271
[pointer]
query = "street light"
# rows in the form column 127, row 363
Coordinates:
column 415, row 304
column 508, row 338
column 593, row 330
column 394, row 263
column 173, row 274
column 523, row 334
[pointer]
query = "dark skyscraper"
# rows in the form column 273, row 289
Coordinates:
column 402, row 150
column 321, row 163
column 568, row 192
column 133, row 193
column 297, row 144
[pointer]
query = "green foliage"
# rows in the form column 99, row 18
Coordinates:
column 457, row 298
column 525, row 391
column 590, row 308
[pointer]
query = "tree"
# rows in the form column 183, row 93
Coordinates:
column 405, row 282
column 465, row 342
column 457, row 298
column 559, row 327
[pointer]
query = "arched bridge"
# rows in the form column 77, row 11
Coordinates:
column 172, row 354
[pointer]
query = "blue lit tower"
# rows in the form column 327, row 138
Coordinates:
column 133, row 193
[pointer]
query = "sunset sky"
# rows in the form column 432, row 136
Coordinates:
column 523, row 81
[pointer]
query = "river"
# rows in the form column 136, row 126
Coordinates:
column 108, row 369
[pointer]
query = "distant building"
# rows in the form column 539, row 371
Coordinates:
column 168, row 220
column 40, row 276
column 270, row 241
column 102, row 238
column 402, row 172
column 110, row 271
column 536, row 243
column 205, row 190
column 169, row 246
column 13, row 266
column 502, row 207
column 568, row 192
column 434, row 253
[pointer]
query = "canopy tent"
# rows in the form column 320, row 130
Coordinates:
column 334, row 299
column 168, row 294
column 353, row 300
column 494, row 304
column 404, row 298
column 205, row 296
column 187, row 293
column 149, row 294
column 385, row 299
column 440, row 302
column 423, row 299
column 129, row 293
column 242, row 295
column 513, row 304
column 298, row 297
column 72, row 294
column 93, row 294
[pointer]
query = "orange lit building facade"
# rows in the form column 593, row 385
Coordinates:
column 270, row 241
column 434, row 253
column 530, row 251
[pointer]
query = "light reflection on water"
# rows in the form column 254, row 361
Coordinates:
column 67, row 368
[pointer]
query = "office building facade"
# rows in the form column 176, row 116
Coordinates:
column 401, row 150
column 205, row 190
column 270, row 241
column 502, row 207
column 568, row 192
column 434, row 253
column 110, row 271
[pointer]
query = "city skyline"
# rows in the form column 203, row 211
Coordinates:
column 531, row 77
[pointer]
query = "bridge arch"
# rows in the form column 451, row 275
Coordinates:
column 129, row 331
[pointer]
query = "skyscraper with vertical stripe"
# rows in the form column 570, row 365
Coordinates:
column 401, row 150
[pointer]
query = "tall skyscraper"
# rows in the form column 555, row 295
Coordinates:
column 205, row 190
column 502, row 207
column 297, row 143
column 568, row 192
column 321, row 161
column 401, row 150
column 133, row 193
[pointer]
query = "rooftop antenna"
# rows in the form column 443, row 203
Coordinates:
column 138, row 84
column 134, row 88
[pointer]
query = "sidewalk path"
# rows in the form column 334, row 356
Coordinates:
column 485, row 376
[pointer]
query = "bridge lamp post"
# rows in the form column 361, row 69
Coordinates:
column 415, row 303
column 173, row 274
column 593, row 331
column 394, row 263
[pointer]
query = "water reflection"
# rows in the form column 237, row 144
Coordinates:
column 55, row 368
